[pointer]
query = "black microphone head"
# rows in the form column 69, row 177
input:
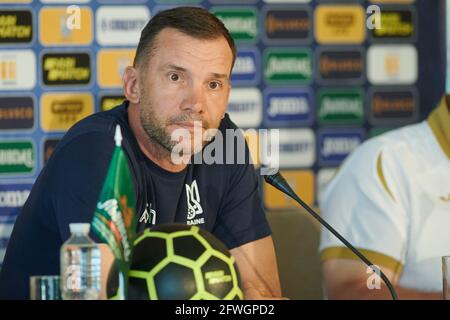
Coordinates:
column 277, row 180
column 273, row 178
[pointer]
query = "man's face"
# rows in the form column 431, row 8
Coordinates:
column 184, row 87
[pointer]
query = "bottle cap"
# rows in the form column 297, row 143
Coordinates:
column 79, row 228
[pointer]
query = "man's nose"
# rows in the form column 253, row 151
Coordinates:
column 195, row 99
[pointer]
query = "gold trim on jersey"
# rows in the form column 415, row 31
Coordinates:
column 439, row 122
column 376, row 258
column 381, row 176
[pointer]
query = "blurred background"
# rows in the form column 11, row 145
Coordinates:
column 328, row 74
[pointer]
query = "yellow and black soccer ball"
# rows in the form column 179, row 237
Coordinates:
column 179, row 262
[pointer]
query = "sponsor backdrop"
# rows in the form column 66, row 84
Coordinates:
column 321, row 71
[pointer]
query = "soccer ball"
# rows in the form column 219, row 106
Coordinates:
column 179, row 262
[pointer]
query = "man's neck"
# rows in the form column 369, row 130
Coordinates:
column 151, row 149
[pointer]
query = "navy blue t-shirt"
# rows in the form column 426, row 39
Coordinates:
column 221, row 198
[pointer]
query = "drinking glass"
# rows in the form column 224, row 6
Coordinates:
column 45, row 288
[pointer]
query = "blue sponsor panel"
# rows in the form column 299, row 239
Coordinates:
column 334, row 145
column 12, row 198
column 288, row 107
column 246, row 70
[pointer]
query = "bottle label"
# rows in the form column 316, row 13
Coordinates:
column 73, row 277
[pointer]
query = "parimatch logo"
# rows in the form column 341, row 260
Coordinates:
column 66, row 68
column 16, row 26
column 395, row 24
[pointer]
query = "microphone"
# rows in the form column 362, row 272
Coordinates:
column 277, row 180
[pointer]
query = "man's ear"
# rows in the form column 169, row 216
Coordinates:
column 130, row 84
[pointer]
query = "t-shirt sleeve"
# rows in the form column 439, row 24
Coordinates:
column 242, row 218
column 77, row 174
column 364, row 203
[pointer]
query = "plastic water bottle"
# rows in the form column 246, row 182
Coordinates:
column 80, row 265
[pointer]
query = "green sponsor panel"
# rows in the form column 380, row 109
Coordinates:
column 242, row 22
column 288, row 66
column 17, row 157
column 341, row 106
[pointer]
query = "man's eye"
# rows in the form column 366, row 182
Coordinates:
column 174, row 77
column 214, row 85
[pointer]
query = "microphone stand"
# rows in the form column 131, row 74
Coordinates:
column 278, row 181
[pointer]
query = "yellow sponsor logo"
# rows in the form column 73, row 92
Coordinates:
column 55, row 30
column 393, row 24
column 60, row 69
column 15, row 26
column 340, row 24
column 60, row 111
column 301, row 181
column 109, row 102
column 111, row 64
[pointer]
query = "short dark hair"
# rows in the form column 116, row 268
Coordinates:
column 193, row 21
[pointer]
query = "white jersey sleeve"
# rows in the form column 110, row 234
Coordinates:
column 365, row 204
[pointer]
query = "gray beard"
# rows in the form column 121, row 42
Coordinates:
column 155, row 131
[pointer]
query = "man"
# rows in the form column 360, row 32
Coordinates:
column 180, row 80
column 391, row 200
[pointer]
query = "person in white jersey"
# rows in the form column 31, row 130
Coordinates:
column 391, row 200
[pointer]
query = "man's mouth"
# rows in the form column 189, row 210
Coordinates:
column 191, row 125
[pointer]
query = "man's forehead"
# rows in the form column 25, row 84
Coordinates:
column 178, row 67
column 180, row 51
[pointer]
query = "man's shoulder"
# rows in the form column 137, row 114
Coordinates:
column 397, row 144
column 388, row 159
